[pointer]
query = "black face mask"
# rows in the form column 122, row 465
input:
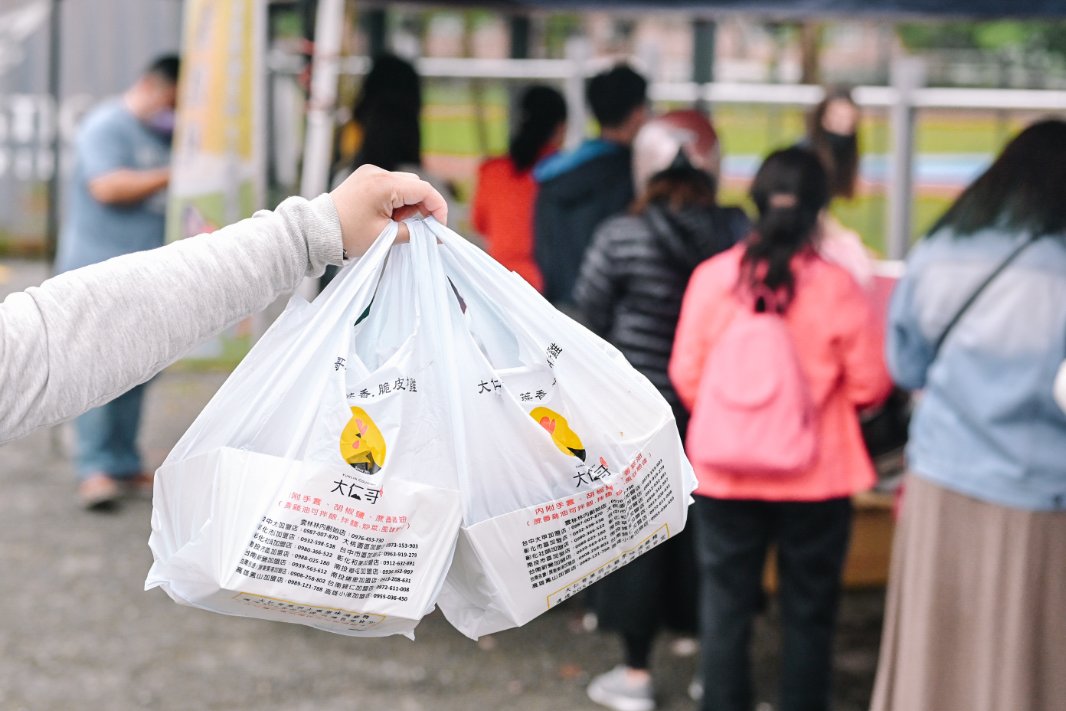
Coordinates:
column 840, row 142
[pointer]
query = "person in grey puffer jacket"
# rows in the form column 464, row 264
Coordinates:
column 629, row 291
column 634, row 275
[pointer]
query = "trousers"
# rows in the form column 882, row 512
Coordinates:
column 107, row 437
column 733, row 538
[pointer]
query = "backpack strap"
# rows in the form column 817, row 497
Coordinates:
column 979, row 290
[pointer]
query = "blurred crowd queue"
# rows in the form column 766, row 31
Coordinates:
column 763, row 334
column 624, row 232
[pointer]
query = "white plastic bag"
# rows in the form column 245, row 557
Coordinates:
column 439, row 389
column 318, row 486
column 569, row 460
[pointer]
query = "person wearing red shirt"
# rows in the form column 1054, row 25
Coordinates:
column 502, row 209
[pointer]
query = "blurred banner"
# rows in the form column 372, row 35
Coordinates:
column 218, row 146
column 218, row 154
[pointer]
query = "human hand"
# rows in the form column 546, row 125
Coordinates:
column 371, row 197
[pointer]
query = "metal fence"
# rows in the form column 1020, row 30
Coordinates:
column 902, row 101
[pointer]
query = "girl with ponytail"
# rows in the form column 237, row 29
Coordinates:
column 790, row 191
column 805, row 515
column 502, row 208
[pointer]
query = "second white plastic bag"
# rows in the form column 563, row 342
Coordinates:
column 569, row 460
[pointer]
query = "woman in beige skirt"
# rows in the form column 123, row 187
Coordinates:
column 976, row 612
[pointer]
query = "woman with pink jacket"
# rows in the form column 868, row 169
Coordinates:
column 805, row 514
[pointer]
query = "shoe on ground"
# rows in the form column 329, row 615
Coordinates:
column 695, row 689
column 618, row 689
column 99, row 492
column 139, row 485
column 685, row 647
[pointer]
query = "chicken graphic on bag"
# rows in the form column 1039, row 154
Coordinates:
column 362, row 444
column 564, row 438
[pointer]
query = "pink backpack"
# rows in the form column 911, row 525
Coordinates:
column 753, row 413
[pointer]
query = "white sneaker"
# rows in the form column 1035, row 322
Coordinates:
column 695, row 689
column 617, row 690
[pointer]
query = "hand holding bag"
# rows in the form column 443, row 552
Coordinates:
column 376, row 453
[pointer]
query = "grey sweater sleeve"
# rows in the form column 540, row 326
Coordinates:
column 88, row 335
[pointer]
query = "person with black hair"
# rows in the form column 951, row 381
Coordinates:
column 833, row 135
column 389, row 110
column 805, row 515
column 388, row 115
column 977, row 585
column 581, row 188
column 502, row 208
column 118, row 205
column 629, row 292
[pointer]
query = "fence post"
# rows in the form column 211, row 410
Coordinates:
column 908, row 75
column 321, row 103
column 578, row 50
column 703, row 40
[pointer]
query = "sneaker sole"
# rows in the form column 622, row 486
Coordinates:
column 619, row 704
column 105, row 502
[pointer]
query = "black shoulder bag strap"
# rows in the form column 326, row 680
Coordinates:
column 979, row 290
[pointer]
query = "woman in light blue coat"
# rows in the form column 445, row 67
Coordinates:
column 976, row 611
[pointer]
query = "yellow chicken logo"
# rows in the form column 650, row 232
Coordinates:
column 565, row 438
column 362, row 444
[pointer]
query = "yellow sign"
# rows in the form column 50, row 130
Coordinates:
column 218, row 144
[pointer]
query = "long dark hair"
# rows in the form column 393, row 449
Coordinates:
column 839, row 152
column 389, row 107
column 1023, row 190
column 541, row 111
column 790, row 190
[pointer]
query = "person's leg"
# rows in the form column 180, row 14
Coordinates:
column 629, row 603
column 125, row 459
column 92, row 447
column 812, row 543
column 731, row 543
column 637, row 650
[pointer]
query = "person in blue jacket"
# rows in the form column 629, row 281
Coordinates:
column 977, row 590
column 579, row 189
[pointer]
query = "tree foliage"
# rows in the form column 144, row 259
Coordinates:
column 1005, row 37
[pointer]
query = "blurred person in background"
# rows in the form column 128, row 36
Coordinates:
column 977, row 589
column 502, row 208
column 117, row 206
column 629, row 292
column 388, row 113
column 805, row 515
column 833, row 134
column 579, row 189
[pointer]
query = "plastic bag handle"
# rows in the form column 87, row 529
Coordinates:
column 485, row 269
column 439, row 323
column 373, row 261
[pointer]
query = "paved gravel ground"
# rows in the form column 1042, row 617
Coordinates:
column 79, row 632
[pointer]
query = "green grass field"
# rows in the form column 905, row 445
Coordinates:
column 450, row 127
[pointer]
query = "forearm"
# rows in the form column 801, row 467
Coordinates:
column 127, row 185
column 88, row 335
